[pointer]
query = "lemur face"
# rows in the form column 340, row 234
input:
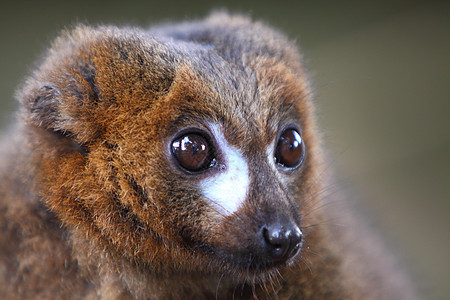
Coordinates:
column 225, row 179
column 173, row 156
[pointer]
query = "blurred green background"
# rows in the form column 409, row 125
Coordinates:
column 381, row 74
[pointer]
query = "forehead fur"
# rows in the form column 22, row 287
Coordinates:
column 249, row 81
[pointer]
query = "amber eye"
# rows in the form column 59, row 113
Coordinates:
column 193, row 152
column 290, row 149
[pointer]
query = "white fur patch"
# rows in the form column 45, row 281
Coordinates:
column 271, row 157
column 228, row 188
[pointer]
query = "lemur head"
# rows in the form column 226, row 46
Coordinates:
column 177, row 149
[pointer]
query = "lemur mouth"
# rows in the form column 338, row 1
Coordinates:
column 275, row 246
column 249, row 262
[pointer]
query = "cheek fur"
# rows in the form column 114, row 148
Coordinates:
column 227, row 190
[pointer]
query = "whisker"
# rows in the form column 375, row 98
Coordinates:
column 218, row 284
column 292, row 105
column 325, row 223
column 307, row 264
column 315, row 253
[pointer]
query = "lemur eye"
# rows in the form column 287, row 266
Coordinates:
column 193, row 152
column 290, row 149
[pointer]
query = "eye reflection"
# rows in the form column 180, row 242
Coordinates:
column 192, row 151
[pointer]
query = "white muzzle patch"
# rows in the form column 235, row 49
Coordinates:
column 227, row 190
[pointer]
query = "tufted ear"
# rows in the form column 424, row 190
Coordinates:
column 42, row 106
column 90, row 76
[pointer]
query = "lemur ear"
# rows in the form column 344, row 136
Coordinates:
column 89, row 73
column 62, row 99
column 43, row 107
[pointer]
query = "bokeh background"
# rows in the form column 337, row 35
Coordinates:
column 381, row 72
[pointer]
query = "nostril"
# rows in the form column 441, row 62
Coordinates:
column 275, row 237
column 296, row 236
column 281, row 242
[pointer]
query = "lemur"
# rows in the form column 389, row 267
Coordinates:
column 177, row 162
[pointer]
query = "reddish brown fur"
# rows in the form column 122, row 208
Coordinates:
column 92, row 207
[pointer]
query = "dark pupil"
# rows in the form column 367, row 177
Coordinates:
column 290, row 150
column 192, row 152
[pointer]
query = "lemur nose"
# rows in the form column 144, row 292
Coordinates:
column 282, row 241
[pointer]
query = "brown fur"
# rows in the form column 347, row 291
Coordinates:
column 92, row 207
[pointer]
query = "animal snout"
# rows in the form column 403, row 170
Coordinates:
column 281, row 241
